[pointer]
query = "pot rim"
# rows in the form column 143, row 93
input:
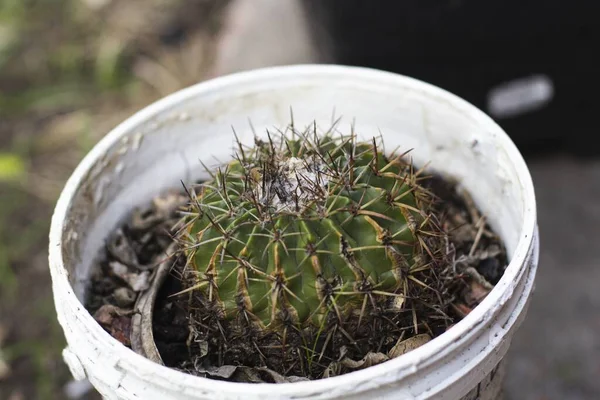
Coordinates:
column 464, row 331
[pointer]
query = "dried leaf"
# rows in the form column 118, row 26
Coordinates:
column 224, row 372
column 121, row 330
column 139, row 282
column 397, row 302
column 106, row 314
column 369, row 360
column 292, row 379
column 116, row 321
column 463, row 233
column 476, row 276
column 163, row 208
column 263, row 375
column 169, row 204
column 203, row 348
column 278, row 378
column 136, row 281
column 336, row 367
column 404, row 346
column 124, row 297
column 476, row 293
column 492, row 251
column 121, row 249
column 461, row 309
column 118, row 269
column 142, row 220
column 333, row 369
column 142, row 338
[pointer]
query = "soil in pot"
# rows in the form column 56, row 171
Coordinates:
column 193, row 336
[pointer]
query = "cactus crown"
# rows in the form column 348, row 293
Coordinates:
column 303, row 229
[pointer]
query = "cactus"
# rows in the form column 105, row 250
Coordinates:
column 303, row 230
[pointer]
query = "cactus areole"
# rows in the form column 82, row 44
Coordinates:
column 303, row 229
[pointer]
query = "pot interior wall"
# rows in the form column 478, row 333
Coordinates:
column 163, row 145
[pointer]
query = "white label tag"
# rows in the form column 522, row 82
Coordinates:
column 520, row 96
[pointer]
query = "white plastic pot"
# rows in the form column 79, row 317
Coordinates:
column 162, row 144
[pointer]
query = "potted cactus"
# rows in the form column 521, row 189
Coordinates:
column 306, row 245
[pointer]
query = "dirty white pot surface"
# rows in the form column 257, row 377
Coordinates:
column 162, row 145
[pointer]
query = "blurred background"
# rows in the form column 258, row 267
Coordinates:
column 70, row 70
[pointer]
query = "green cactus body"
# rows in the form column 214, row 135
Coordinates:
column 297, row 231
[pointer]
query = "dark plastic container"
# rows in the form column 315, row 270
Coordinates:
column 483, row 50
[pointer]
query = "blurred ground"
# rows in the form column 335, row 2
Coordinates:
column 556, row 353
column 70, row 70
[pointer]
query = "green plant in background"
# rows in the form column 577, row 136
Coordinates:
column 68, row 74
column 314, row 233
column 12, row 170
column 12, row 167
